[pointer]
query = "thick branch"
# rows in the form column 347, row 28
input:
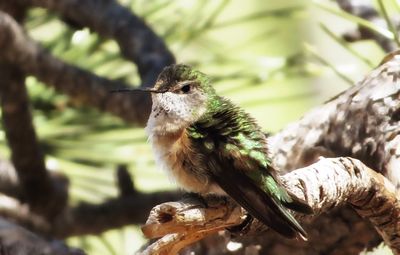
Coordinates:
column 137, row 43
column 326, row 184
column 89, row 218
column 362, row 122
column 26, row 154
column 367, row 119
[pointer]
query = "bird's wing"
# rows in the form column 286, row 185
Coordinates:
column 250, row 196
column 235, row 155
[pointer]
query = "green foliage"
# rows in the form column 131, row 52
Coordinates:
column 253, row 50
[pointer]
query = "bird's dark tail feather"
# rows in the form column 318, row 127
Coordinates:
column 297, row 204
column 265, row 207
column 284, row 200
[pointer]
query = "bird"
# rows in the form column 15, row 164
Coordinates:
column 208, row 145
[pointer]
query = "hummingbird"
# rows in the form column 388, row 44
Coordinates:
column 211, row 146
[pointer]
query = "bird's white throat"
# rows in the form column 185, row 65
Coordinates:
column 172, row 113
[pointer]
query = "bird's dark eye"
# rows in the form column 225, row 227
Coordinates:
column 186, row 88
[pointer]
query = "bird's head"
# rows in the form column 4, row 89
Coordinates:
column 181, row 96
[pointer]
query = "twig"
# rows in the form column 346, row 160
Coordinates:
column 314, row 53
column 389, row 22
column 366, row 11
column 345, row 45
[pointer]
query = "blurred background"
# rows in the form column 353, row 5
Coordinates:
column 276, row 59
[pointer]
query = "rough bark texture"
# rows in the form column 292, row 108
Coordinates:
column 362, row 122
column 324, row 185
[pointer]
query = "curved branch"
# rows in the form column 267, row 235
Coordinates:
column 326, row 184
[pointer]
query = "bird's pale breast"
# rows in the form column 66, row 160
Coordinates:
column 173, row 153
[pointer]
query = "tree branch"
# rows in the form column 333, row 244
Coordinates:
column 87, row 218
column 326, row 184
column 118, row 212
column 82, row 86
column 137, row 43
column 26, row 154
column 108, row 18
column 361, row 122
column 16, row 240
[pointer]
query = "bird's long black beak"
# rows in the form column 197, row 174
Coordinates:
column 151, row 90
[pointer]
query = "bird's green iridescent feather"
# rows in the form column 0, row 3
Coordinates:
column 229, row 149
column 237, row 131
column 229, row 132
column 233, row 130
